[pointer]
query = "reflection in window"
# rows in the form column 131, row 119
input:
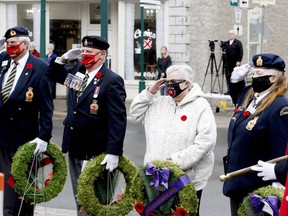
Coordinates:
column 95, row 13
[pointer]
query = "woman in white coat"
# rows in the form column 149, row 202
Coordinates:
column 179, row 127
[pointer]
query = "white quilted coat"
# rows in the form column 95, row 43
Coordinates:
column 186, row 132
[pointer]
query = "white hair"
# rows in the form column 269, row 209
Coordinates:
column 51, row 45
column 184, row 71
column 27, row 39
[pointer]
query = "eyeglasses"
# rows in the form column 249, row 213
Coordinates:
column 173, row 81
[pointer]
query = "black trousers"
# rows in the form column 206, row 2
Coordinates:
column 12, row 203
column 199, row 195
column 234, row 205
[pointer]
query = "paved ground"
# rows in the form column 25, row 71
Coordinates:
column 212, row 192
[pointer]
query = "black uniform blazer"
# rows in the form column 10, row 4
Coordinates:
column 234, row 53
column 88, row 134
column 22, row 117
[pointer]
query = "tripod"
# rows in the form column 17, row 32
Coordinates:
column 212, row 64
column 223, row 63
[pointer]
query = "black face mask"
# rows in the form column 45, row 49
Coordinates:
column 261, row 84
column 174, row 90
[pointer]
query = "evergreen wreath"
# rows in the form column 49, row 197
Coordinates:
column 86, row 190
column 185, row 198
column 20, row 170
column 246, row 207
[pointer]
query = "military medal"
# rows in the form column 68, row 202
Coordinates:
column 29, row 95
column 73, row 82
column 94, row 107
column 252, row 123
column 96, row 92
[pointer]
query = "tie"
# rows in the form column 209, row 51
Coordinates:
column 8, row 86
column 84, row 83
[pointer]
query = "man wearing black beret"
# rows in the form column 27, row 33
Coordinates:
column 26, row 109
column 96, row 116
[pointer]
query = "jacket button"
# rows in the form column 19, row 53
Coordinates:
column 11, row 119
column 19, row 108
column 75, row 112
column 71, row 128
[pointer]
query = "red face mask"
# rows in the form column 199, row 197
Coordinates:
column 88, row 60
column 14, row 50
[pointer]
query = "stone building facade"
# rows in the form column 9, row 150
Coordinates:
column 193, row 23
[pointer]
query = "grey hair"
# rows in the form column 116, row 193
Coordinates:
column 184, row 71
column 51, row 45
column 27, row 39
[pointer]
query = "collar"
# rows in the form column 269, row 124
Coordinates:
column 22, row 61
column 93, row 73
column 260, row 97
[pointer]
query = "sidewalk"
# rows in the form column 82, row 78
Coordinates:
column 44, row 211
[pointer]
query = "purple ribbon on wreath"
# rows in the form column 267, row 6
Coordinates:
column 160, row 176
column 257, row 203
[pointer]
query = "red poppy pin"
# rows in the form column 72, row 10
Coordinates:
column 183, row 117
column 246, row 113
column 99, row 75
column 236, row 109
column 29, row 66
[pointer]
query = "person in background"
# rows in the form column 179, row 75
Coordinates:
column 32, row 49
column 258, row 128
column 180, row 127
column 50, row 53
column 162, row 64
column 26, row 109
column 49, row 56
column 234, row 55
column 96, row 114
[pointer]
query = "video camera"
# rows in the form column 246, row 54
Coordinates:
column 223, row 45
column 212, row 45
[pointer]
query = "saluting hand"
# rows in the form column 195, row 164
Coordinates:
column 157, row 86
column 71, row 54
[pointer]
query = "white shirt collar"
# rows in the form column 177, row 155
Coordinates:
column 23, row 60
column 92, row 74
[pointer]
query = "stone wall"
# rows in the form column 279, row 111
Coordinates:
column 193, row 23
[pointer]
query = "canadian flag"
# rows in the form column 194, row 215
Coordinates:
column 284, row 204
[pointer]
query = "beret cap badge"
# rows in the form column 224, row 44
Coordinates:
column 259, row 61
column 85, row 42
column 12, row 32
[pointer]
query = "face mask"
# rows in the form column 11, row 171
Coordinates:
column 261, row 84
column 14, row 50
column 89, row 59
column 174, row 90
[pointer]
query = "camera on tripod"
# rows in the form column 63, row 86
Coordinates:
column 224, row 45
column 212, row 45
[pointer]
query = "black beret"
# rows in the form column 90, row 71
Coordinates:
column 17, row 32
column 96, row 42
column 269, row 60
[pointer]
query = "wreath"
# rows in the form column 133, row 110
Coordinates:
column 262, row 193
column 21, row 165
column 184, row 202
column 86, row 189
